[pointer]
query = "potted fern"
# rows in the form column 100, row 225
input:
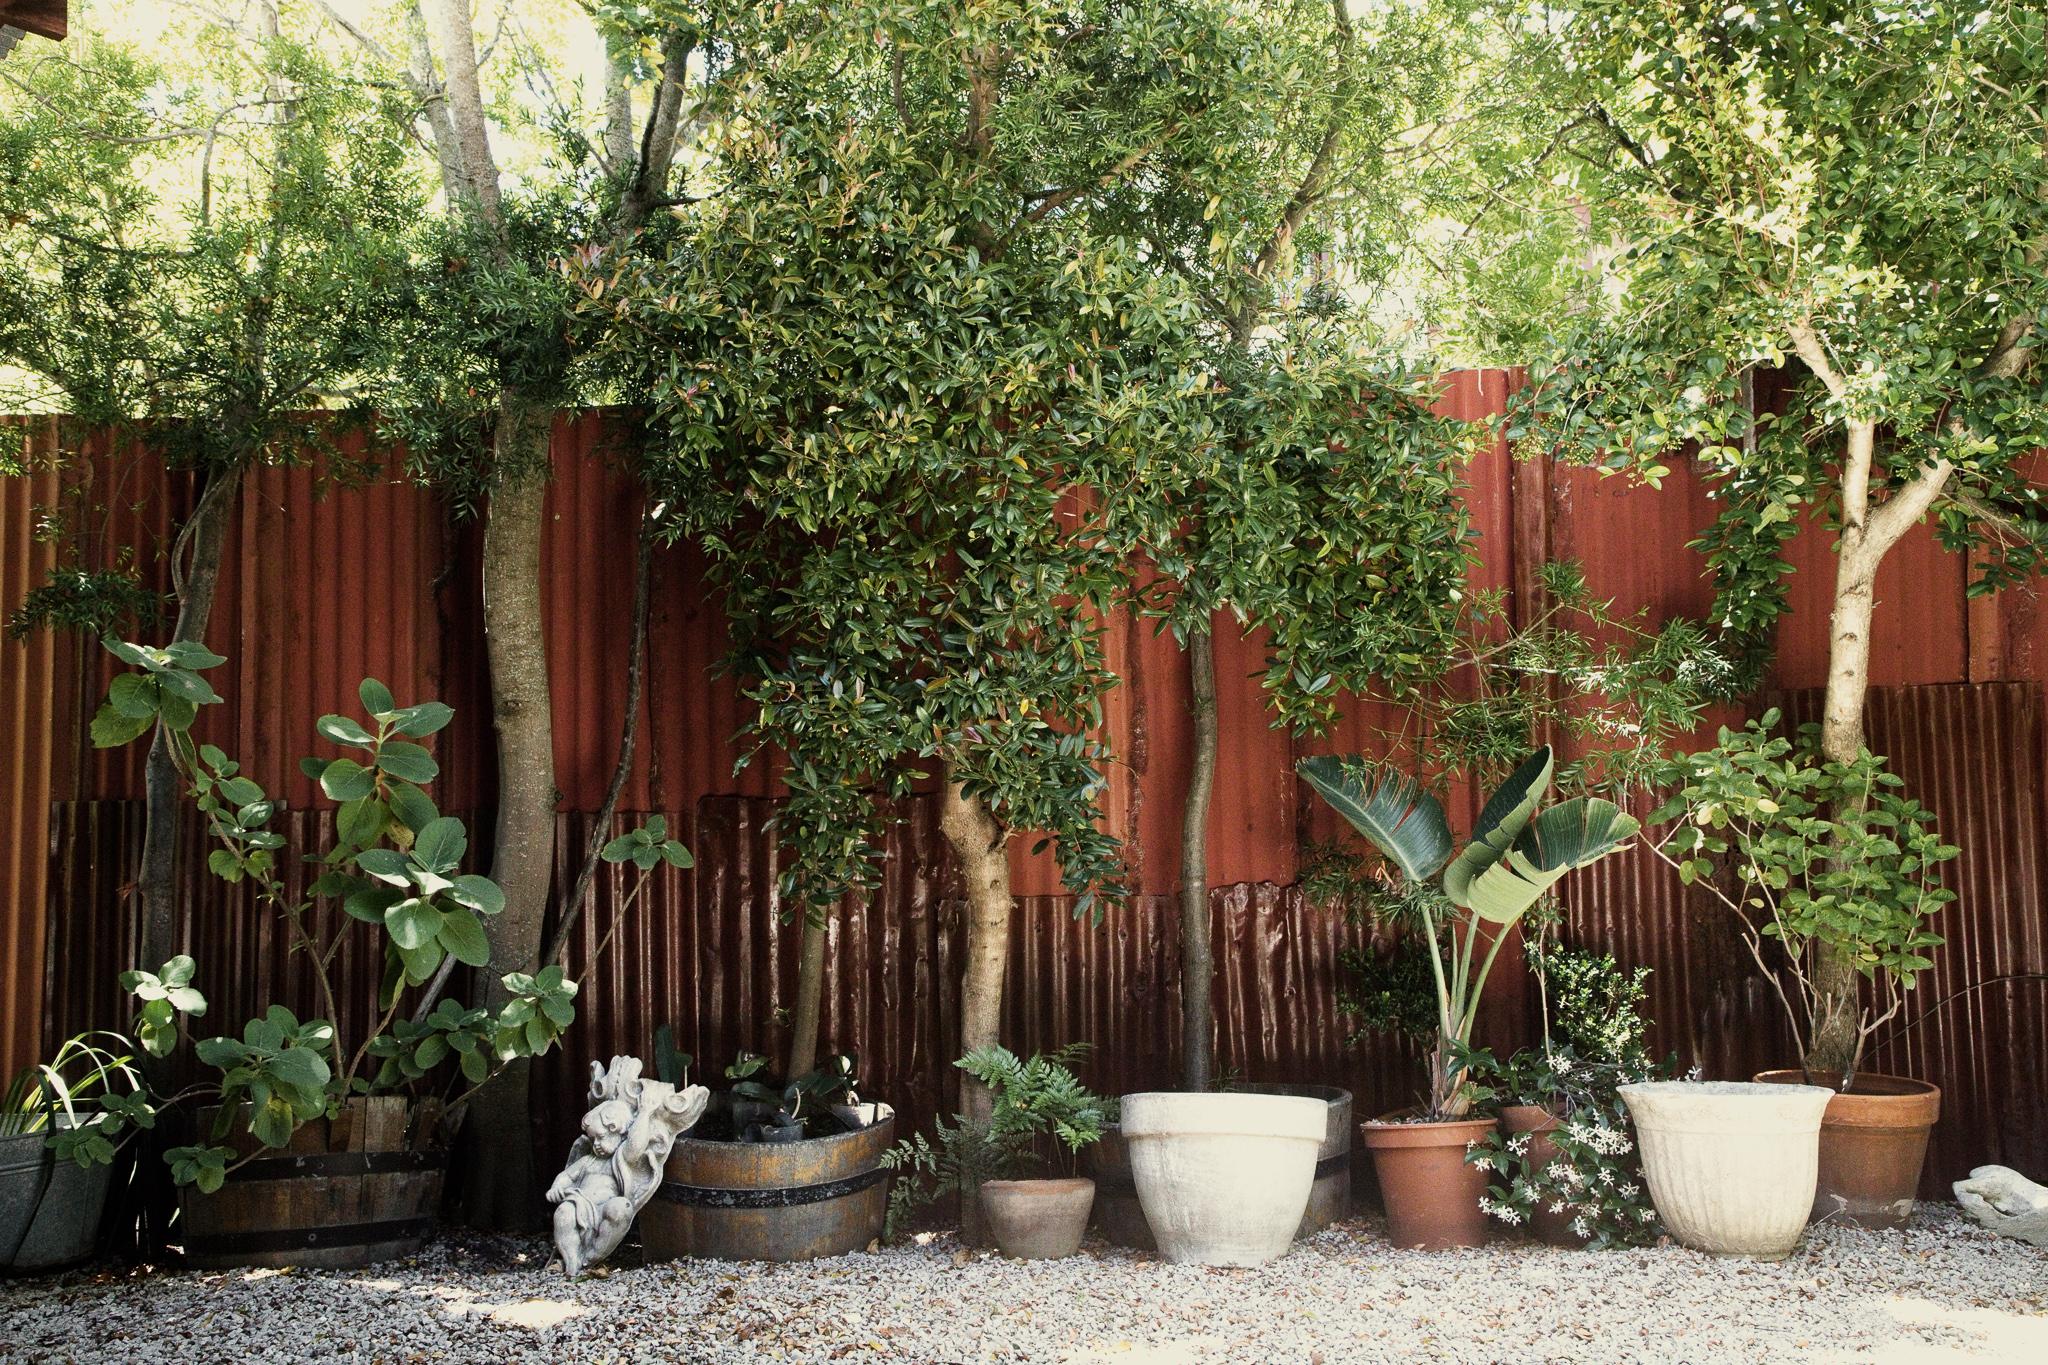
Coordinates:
column 1030, row 1217
column 1516, row 854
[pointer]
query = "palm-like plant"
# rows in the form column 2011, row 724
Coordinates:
column 1515, row 856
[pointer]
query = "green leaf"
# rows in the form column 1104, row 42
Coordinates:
column 133, row 696
column 408, row 762
column 357, row 823
column 111, row 728
column 386, row 864
column 441, row 844
column 342, row 730
column 412, row 806
column 1506, row 815
column 347, row 780
column 480, row 894
column 301, row 1067
column 1386, row 806
column 371, row 905
column 424, row 719
column 462, row 934
column 1567, row 836
column 376, row 697
column 413, row 923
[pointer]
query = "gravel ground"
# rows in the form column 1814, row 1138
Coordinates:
column 1942, row 1289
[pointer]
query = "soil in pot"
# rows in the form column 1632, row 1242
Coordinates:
column 1432, row 1195
column 1873, row 1142
column 1038, row 1220
column 1554, row 1229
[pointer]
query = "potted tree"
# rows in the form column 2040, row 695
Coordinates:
column 302, row 1124
column 1515, row 856
column 1817, row 858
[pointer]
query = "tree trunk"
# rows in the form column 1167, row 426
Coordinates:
column 501, row 1192
column 157, row 882
column 1835, row 1042
column 979, row 846
column 1836, row 1038
column 810, row 988
column 1197, row 965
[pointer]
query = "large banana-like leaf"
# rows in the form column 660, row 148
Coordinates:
column 1506, row 815
column 1568, row 835
column 1386, row 806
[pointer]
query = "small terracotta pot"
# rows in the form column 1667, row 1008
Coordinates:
column 1538, row 1122
column 1432, row 1195
column 1038, row 1220
column 1873, row 1141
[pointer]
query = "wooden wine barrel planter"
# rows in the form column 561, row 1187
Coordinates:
column 348, row 1191
column 1122, row 1222
column 759, row 1201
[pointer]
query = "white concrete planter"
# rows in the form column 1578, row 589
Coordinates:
column 1731, row 1164
column 1223, row 1178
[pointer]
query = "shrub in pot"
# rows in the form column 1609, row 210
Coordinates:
column 1564, row 1162
column 1515, row 856
column 773, row 1171
column 301, row 1121
column 61, row 1123
column 1031, row 1102
column 1814, row 857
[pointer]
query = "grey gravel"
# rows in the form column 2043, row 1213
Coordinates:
column 1942, row 1289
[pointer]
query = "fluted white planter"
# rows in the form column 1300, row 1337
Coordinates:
column 1223, row 1178
column 1731, row 1164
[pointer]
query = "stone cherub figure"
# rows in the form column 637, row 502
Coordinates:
column 615, row 1167
column 2006, row 1202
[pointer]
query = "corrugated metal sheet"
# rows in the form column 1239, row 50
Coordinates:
column 29, row 680
column 327, row 582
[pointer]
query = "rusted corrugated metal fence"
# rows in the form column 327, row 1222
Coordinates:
column 327, row 582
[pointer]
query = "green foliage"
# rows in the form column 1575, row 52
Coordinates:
column 92, row 600
column 1827, row 214
column 395, row 864
column 1515, row 855
column 167, row 995
column 87, row 1097
column 1810, row 855
column 647, row 847
column 1031, row 1099
column 211, row 249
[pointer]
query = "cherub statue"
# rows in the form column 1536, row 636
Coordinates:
column 615, row 1167
column 2006, row 1202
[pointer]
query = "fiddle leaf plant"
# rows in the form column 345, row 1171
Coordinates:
column 1515, row 855
column 395, row 865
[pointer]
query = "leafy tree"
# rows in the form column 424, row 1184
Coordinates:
column 201, row 256
column 487, row 363
column 910, row 364
column 1848, row 200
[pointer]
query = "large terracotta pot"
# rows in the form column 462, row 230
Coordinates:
column 1538, row 1122
column 1873, row 1141
column 1432, row 1194
column 1731, row 1165
column 1223, row 1178
column 1037, row 1220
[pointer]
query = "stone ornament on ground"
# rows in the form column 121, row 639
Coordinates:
column 615, row 1167
column 2006, row 1202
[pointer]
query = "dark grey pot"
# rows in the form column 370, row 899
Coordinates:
column 49, row 1209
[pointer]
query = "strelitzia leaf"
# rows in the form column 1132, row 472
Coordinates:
column 1566, row 836
column 1388, row 807
column 1506, row 815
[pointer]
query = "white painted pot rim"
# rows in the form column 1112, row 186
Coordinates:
column 1164, row 1113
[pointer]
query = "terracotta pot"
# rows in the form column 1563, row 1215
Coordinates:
column 1873, row 1141
column 1038, row 1220
column 1538, row 1122
column 1432, row 1195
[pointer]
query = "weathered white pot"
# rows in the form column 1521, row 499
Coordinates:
column 1732, row 1165
column 1223, row 1178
